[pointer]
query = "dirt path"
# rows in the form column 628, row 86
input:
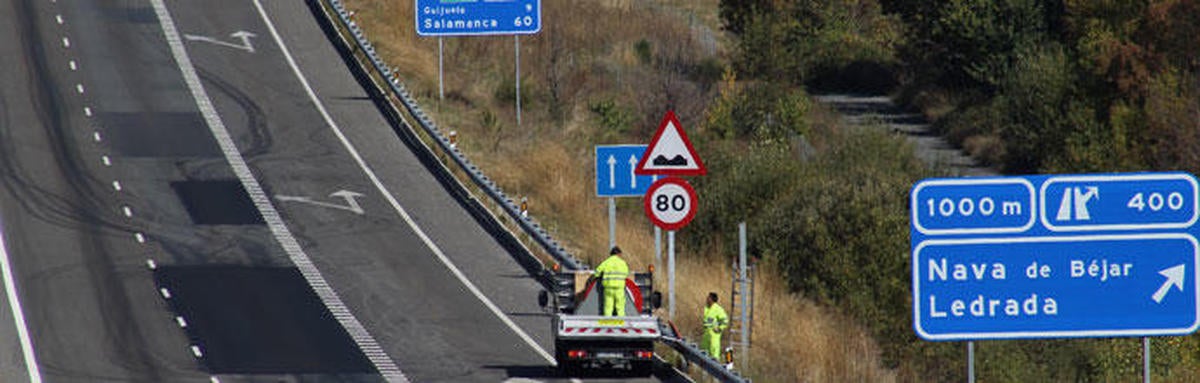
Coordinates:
column 881, row 111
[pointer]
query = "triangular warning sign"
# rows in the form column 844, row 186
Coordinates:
column 671, row 153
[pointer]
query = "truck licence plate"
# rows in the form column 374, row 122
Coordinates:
column 609, row 355
column 611, row 322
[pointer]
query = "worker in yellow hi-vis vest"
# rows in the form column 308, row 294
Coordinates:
column 612, row 273
column 715, row 323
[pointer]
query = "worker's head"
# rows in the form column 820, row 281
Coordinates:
column 712, row 298
column 616, row 250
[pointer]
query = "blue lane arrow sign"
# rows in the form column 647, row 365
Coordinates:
column 615, row 165
column 1092, row 255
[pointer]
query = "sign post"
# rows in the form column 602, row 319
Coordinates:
column 1096, row 255
column 474, row 18
column 615, row 177
column 671, row 202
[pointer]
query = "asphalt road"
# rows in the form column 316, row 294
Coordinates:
column 293, row 235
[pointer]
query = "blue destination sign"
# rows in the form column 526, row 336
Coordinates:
column 615, row 167
column 478, row 17
column 1094, row 255
column 1055, row 287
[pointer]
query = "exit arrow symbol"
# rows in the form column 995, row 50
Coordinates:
column 241, row 35
column 1174, row 277
column 351, row 203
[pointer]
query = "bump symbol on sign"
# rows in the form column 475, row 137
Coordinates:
column 670, row 152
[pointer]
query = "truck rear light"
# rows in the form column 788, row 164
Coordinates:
column 576, row 354
column 645, row 354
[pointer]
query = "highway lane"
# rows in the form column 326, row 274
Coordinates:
column 81, row 247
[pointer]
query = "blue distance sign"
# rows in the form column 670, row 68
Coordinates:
column 615, row 166
column 965, row 206
column 1131, row 202
column 1038, row 287
column 478, row 17
column 1012, row 257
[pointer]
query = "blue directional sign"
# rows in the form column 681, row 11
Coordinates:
column 1055, row 256
column 478, row 17
column 615, row 165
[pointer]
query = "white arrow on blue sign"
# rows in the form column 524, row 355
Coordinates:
column 1055, row 256
column 615, row 165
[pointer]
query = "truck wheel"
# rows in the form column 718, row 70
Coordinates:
column 642, row 368
column 569, row 369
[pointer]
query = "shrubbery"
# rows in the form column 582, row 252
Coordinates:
column 1039, row 86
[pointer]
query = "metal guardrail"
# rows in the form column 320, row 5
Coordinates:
column 693, row 354
column 528, row 224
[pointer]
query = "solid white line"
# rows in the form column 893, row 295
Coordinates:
column 14, row 303
column 392, row 199
column 386, row 367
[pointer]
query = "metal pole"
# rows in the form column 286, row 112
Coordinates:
column 671, row 274
column 517, row 48
column 657, row 247
column 612, row 222
column 745, row 286
column 441, row 76
column 970, row 362
column 1146, row 359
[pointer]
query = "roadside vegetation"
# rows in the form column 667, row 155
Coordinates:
column 1021, row 84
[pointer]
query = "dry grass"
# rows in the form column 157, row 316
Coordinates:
column 586, row 53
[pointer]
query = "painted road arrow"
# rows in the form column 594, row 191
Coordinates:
column 240, row 35
column 1174, row 277
column 349, row 196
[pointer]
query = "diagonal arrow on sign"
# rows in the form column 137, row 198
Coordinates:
column 1174, row 276
column 351, row 203
column 241, row 35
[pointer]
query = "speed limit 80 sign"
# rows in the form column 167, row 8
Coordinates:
column 670, row 203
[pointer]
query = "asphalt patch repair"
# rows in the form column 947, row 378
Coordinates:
column 259, row 320
column 217, row 202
